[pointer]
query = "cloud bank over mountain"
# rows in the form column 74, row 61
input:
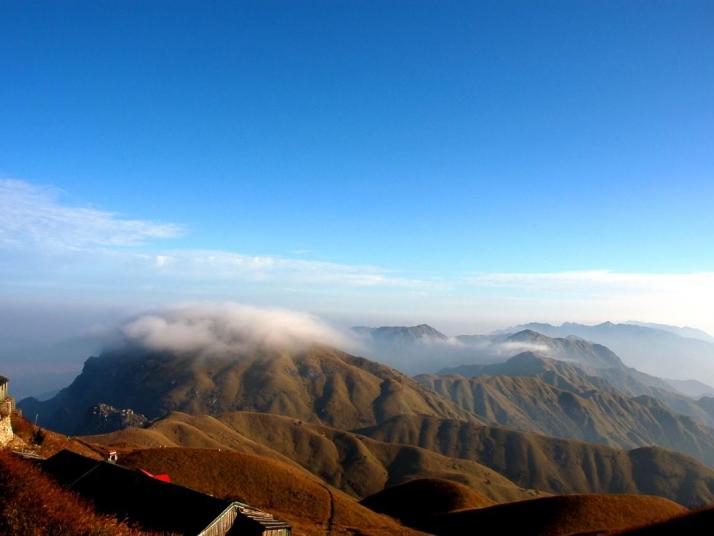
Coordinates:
column 228, row 328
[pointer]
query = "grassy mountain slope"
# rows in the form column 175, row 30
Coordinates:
column 354, row 464
column 321, row 385
column 697, row 523
column 284, row 490
column 537, row 394
column 31, row 503
column 596, row 360
column 557, row 465
column 557, row 516
column 418, row 500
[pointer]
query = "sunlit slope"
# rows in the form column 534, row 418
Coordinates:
column 536, row 394
column 321, row 385
column 698, row 523
column 557, row 516
column 557, row 465
column 572, row 360
column 355, row 464
column 286, row 491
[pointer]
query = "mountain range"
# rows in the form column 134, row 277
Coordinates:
column 534, row 393
column 320, row 384
column 434, row 355
column 665, row 351
column 522, row 416
column 680, row 358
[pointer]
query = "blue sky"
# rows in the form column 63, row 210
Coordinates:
column 470, row 164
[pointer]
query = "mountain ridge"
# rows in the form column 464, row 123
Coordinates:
column 320, row 384
column 661, row 352
column 555, row 465
column 533, row 393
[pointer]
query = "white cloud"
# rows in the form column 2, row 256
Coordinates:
column 228, row 329
column 227, row 266
column 35, row 216
column 39, row 233
column 46, row 243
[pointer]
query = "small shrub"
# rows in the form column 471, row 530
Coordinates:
column 39, row 437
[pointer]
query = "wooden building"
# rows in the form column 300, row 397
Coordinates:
column 154, row 505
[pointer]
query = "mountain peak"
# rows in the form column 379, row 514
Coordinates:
column 530, row 357
column 309, row 385
column 527, row 335
column 403, row 333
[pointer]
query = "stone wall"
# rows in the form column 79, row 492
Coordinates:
column 6, row 434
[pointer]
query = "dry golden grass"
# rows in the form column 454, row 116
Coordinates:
column 696, row 523
column 321, row 385
column 422, row 498
column 558, row 399
column 46, row 443
column 283, row 489
column 557, row 465
column 355, row 464
column 558, row 516
column 32, row 504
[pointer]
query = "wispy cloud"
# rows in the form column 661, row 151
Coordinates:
column 36, row 223
column 31, row 215
column 227, row 266
column 46, row 243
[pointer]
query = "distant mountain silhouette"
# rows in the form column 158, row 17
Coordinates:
column 401, row 334
column 682, row 331
column 691, row 388
column 571, row 348
column 661, row 351
column 412, row 349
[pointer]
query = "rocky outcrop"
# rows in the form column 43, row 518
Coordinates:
column 103, row 418
column 6, row 435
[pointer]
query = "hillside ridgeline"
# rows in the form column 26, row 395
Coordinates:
column 533, row 393
column 321, row 385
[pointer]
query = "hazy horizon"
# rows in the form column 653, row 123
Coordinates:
column 44, row 362
column 469, row 165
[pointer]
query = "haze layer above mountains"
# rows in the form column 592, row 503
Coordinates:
column 683, row 356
